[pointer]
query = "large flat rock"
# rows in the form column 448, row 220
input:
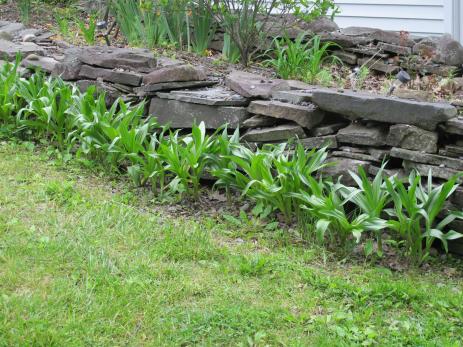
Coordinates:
column 69, row 64
column 296, row 97
column 454, row 126
column 441, row 49
column 34, row 62
column 426, row 158
column 355, row 156
column 135, row 59
column 11, row 28
column 306, row 116
column 384, row 109
column 115, row 76
column 320, row 141
column 218, row 96
column 359, row 134
column 181, row 114
column 377, row 35
column 10, row 49
column 278, row 133
column 260, row 122
column 327, row 128
column 254, row 86
column 175, row 73
column 413, row 138
column 153, row 89
column 424, row 169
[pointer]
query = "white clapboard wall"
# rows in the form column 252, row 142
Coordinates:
column 419, row 17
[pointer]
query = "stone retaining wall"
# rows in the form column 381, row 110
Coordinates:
column 359, row 129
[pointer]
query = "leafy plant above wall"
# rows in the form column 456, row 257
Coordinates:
column 249, row 22
column 88, row 30
column 302, row 59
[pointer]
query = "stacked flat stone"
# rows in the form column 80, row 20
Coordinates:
column 387, row 52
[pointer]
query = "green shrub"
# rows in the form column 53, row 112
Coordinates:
column 326, row 204
column 176, row 19
column 25, row 8
column 10, row 100
column 371, row 197
column 47, row 110
column 186, row 158
column 204, row 27
column 249, row 22
column 230, row 51
column 301, row 59
column 271, row 174
column 416, row 211
column 141, row 24
column 88, row 31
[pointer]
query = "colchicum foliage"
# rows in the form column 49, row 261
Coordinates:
column 286, row 179
column 302, row 59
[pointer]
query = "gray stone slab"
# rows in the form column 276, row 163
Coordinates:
column 379, row 154
column 413, row 138
column 296, row 97
column 346, row 57
column 298, row 85
column 384, row 109
column 175, row 73
column 362, row 135
column 454, row 126
column 455, row 150
column 436, row 171
column 69, row 64
column 153, row 89
column 426, row 158
column 363, row 150
column 254, row 86
column 401, row 50
column 369, row 51
column 12, row 28
column 10, row 49
column 35, row 62
column 259, row 122
column 327, row 129
column 410, row 94
column 123, row 77
column 306, row 116
column 320, row 141
column 213, row 97
column 377, row 35
column 441, row 49
column 356, row 156
column 278, row 133
column 181, row 114
column 379, row 65
column 134, row 59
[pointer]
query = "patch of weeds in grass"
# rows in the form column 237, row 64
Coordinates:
column 63, row 193
column 256, row 265
column 186, row 243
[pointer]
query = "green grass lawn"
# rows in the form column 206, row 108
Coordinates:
column 83, row 263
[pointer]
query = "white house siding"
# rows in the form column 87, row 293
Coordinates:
column 419, row 17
